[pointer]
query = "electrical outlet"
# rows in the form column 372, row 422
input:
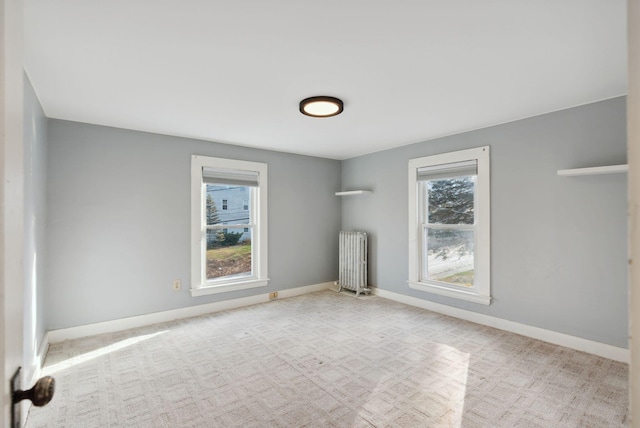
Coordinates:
column 273, row 295
column 176, row 285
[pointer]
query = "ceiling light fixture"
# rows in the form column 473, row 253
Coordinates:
column 322, row 106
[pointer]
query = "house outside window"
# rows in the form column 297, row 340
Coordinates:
column 234, row 201
column 229, row 246
column 449, row 236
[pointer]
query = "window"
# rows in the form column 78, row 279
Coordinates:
column 449, row 224
column 228, row 247
column 245, row 205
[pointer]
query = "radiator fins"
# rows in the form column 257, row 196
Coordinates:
column 353, row 262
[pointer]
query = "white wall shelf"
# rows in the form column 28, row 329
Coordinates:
column 596, row 170
column 354, row 192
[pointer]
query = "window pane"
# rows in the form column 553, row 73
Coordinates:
column 229, row 249
column 450, row 201
column 450, row 256
column 227, row 204
column 229, row 254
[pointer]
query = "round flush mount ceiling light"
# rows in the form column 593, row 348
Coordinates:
column 322, row 106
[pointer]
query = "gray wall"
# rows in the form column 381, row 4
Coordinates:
column 35, row 209
column 118, row 221
column 558, row 244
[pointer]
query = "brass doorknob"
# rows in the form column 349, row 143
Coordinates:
column 40, row 394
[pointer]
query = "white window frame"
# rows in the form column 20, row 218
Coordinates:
column 200, row 286
column 481, row 291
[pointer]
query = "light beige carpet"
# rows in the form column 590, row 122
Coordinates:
column 328, row 360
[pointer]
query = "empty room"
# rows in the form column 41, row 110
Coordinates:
column 343, row 214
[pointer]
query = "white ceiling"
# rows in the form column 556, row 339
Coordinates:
column 235, row 71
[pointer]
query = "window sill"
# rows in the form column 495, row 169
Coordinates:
column 226, row 287
column 450, row 292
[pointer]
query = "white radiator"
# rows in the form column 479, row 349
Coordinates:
column 353, row 262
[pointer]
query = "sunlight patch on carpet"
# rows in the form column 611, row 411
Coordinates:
column 83, row 358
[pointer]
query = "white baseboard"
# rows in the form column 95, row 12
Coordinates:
column 596, row 348
column 573, row 342
column 292, row 292
column 55, row 336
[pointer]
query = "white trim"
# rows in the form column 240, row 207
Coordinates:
column 481, row 292
column 55, row 336
column 447, row 226
column 354, row 192
column 229, row 286
column 451, row 292
column 259, row 223
column 298, row 291
column 592, row 347
column 596, row 170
